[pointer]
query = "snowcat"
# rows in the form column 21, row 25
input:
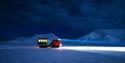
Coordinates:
column 44, row 43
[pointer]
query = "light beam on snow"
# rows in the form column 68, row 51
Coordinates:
column 94, row 48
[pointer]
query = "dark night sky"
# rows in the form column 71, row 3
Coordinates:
column 64, row 18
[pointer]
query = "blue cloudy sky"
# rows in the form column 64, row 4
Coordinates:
column 64, row 18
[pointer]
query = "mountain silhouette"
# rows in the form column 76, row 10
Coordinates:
column 30, row 40
column 109, row 35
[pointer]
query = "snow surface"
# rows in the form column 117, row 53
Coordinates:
column 55, row 55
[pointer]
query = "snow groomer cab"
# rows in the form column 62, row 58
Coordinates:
column 42, row 42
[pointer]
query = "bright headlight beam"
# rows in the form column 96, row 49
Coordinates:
column 91, row 48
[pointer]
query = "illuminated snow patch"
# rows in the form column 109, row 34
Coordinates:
column 91, row 48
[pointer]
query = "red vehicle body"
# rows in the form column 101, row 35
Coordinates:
column 56, row 43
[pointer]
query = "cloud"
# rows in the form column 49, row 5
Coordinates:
column 62, row 16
